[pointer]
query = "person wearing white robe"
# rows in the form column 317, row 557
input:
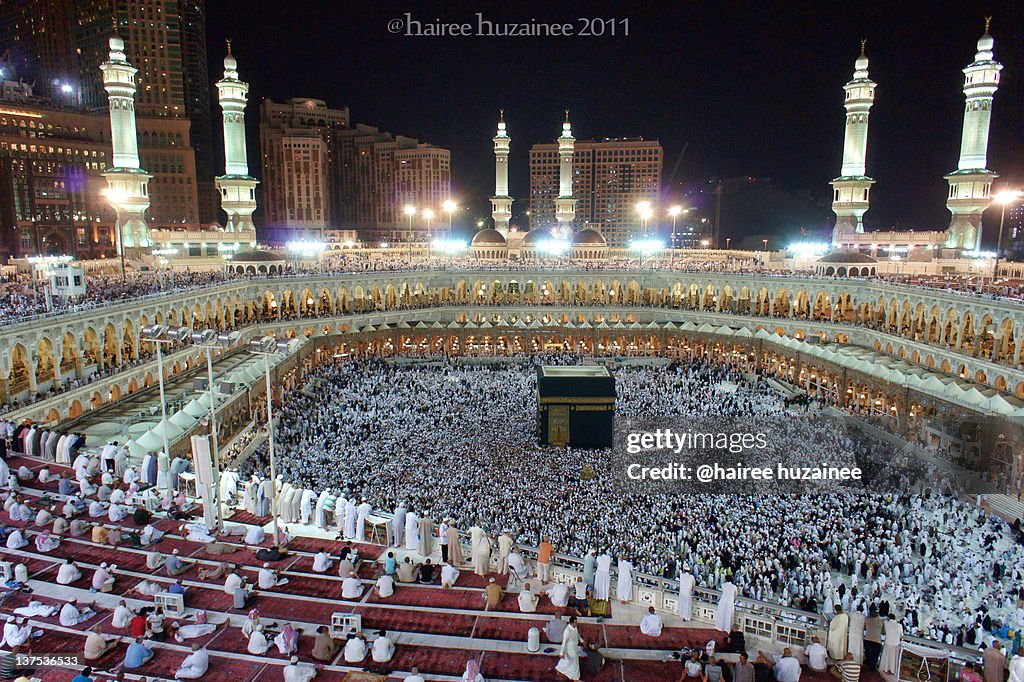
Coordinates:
column 603, row 578
column 726, row 607
column 355, row 649
column 319, row 517
column 383, row 649
column 482, row 556
column 351, row 587
column 122, row 615
column 298, row 672
column 362, row 513
column 838, row 635
column 268, row 579
column 651, row 624
column 558, row 593
column 195, row 664
column 258, row 642
column 350, row 518
column 684, row 608
column 449, row 575
column 398, row 525
column 855, row 644
column 16, row 540
column 412, row 531
column 71, row 615
column 15, row 635
column 68, row 573
column 893, row 646
column 1017, row 667
column 624, row 584
column 385, row 586
column 255, row 535
column 528, row 600
column 322, row 562
column 569, row 652
column 306, row 506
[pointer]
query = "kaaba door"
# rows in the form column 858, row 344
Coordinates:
column 558, row 424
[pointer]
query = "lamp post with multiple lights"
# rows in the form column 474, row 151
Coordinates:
column 266, row 347
column 158, row 335
column 210, row 340
column 1004, row 199
column 409, row 210
column 449, row 207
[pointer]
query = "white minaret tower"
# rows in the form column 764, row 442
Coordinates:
column 565, row 204
column 852, row 189
column 501, row 202
column 971, row 183
column 237, row 188
column 127, row 183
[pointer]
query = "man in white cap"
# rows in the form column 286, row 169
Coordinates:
column 351, row 587
column 685, row 605
column 175, row 566
column 71, row 615
column 298, row 672
column 269, row 579
column 16, row 632
column 362, row 512
column 258, row 642
column 102, row 579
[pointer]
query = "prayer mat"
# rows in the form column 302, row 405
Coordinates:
column 599, row 607
column 364, row 677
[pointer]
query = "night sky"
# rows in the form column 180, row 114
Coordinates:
column 750, row 88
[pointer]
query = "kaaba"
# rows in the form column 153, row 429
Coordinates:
column 575, row 406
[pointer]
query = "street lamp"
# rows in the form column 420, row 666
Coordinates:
column 644, row 209
column 210, row 340
column 158, row 334
column 765, row 242
column 1003, row 198
column 266, row 347
column 675, row 211
column 409, row 211
column 449, row 207
column 727, row 241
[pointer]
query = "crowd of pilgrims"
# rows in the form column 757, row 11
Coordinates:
column 458, row 444
column 22, row 296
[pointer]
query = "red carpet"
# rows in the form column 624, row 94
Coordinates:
column 630, row 637
column 508, row 666
column 651, row 671
column 242, row 516
column 432, row 661
column 410, row 595
column 405, row 620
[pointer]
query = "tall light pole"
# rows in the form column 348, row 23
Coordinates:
column 209, row 340
column 1003, row 198
column 409, row 211
column 643, row 208
column 675, row 212
column 266, row 347
column 449, row 208
column 158, row 335
column 428, row 215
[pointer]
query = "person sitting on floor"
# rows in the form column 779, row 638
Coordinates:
column 406, row 571
column 137, row 655
column 383, row 648
column 651, row 624
column 195, row 665
column 528, row 600
column 322, row 561
column 71, row 615
column 493, row 594
column 258, row 642
column 98, row 645
column 355, row 648
column 425, row 575
column 268, row 578
column 351, row 587
column 385, row 586
column 449, row 575
column 175, row 566
column 325, row 647
column 298, row 672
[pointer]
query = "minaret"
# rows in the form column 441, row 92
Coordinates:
column 237, row 188
column 501, row 202
column 127, row 183
column 971, row 182
column 852, row 189
column 565, row 204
